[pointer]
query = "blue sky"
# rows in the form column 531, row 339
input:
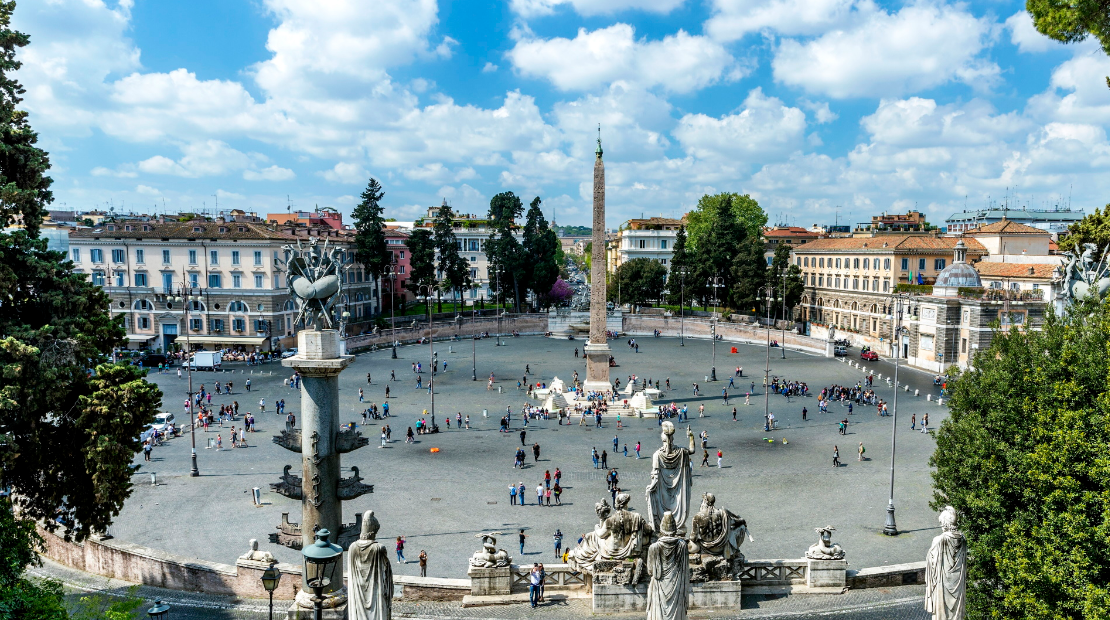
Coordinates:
column 808, row 105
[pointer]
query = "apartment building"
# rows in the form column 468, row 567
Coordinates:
column 234, row 264
column 1055, row 221
column 472, row 233
column 644, row 238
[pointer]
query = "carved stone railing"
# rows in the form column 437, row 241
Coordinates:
column 774, row 572
column 556, row 576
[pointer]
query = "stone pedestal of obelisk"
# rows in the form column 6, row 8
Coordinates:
column 597, row 349
column 319, row 363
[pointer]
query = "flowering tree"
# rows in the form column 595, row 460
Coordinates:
column 561, row 292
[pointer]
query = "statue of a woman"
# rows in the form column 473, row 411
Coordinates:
column 369, row 575
column 946, row 571
column 671, row 477
column 668, row 564
column 582, row 557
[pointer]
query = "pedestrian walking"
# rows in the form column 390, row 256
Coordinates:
column 913, row 421
column 704, row 458
column 861, row 451
column 400, row 549
column 720, row 456
column 423, row 562
column 804, row 413
column 522, row 536
column 558, row 543
column 512, row 495
column 637, row 449
column 604, row 460
column 836, row 456
column 925, row 423
column 734, row 414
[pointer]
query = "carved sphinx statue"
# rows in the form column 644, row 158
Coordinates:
column 824, row 549
column 254, row 555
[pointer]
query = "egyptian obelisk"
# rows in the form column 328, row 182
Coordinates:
column 597, row 349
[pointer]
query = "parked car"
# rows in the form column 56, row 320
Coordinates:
column 288, row 353
column 840, row 351
column 869, row 356
column 152, row 360
column 161, row 423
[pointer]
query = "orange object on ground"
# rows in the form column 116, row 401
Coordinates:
column 435, row 449
column 734, row 349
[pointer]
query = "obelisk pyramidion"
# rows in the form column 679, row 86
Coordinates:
column 597, row 349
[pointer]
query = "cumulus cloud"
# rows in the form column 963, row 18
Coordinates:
column 1025, row 36
column 762, row 126
column 1087, row 100
column 732, row 19
column 489, row 68
column 888, row 54
column 534, row 8
column 208, row 158
column 346, row 172
column 820, row 109
column 270, row 173
column 680, row 62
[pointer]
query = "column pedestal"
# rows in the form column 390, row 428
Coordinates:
column 597, row 367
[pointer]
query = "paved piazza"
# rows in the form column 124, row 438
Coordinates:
column 439, row 501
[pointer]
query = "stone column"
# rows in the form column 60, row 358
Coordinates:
column 597, row 349
column 319, row 362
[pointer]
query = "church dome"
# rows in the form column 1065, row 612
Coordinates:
column 959, row 273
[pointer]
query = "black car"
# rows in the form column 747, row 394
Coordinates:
column 151, row 360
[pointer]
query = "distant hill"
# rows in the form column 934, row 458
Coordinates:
column 574, row 231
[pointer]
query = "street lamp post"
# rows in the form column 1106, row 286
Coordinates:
column 714, row 281
column 474, row 347
column 682, row 309
column 767, row 295
column 782, row 345
column 392, row 309
column 431, row 347
column 320, row 561
column 891, row 527
column 185, row 295
column 271, row 577
column 160, row 611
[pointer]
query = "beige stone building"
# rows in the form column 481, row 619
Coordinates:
column 234, row 264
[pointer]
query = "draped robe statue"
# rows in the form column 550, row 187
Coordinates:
column 716, row 531
column 671, row 476
column 625, row 534
column 946, row 571
column 668, row 563
column 369, row 575
column 582, row 557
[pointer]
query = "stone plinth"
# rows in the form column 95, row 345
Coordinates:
column 297, row 612
column 597, row 367
column 715, row 595
column 490, row 581
column 609, row 598
column 827, row 574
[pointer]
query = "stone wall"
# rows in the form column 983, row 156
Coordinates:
column 641, row 325
column 525, row 324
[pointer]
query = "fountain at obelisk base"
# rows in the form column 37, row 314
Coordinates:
column 315, row 283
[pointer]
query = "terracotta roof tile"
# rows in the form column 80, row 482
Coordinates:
column 1040, row 271
column 1008, row 227
column 901, row 243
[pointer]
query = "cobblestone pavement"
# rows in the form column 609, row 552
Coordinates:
column 903, row 603
column 782, row 482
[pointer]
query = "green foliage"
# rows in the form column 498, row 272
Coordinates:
column 24, row 186
column 1093, row 228
column 641, row 282
column 1072, row 21
column 793, row 287
column 541, row 249
column 454, row 270
column 680, row 268
column 21, row 598
column 422, row 261
column 914, row 289
column 743, row 211
column 715, row 252
column 505, row 254
column 370, row 246
column 1023, row 459
column 574, row 231
column 749, row 273
column 104, row 607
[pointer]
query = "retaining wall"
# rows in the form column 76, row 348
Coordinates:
column 524, row 324
column 641, row 325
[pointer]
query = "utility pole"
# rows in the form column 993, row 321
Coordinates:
column 891, row 527
column 767, row 295
column 715, row 281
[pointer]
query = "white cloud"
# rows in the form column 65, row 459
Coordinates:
column 208, row 158
column 346, row 172
column 1025, row 36
column 489, row 68
column 919, row 47
column 821, row 111
column 732, row 19
column 126, row 171
column 270, row 173
column 534, row 8
column 148, row 190
column 762, row 127
column 680, row 62
column 921, row 122
column 1083, row 77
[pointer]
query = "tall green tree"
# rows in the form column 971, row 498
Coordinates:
column 640, row 280
column 749, row 274
column 1022, row 457
column 1094, row 228
column 454, row 271
column 716, row 252
column 1072, row 21
column 541, row 250
column 679, row 269
column 743, row 211
column 506, row 255
column 370, row 246
column 422, row 263
column 22, row 598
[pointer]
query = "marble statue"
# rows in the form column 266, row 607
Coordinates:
column 490, row 556
column 254, row 555
column 946, row 571
column 369, row 575
column 716, row 531
column 823, row 549
column 582, row 557
column 668, row 563
column 671, row 476
column 1083, row 275
column 315, row 282
column 626, row 534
